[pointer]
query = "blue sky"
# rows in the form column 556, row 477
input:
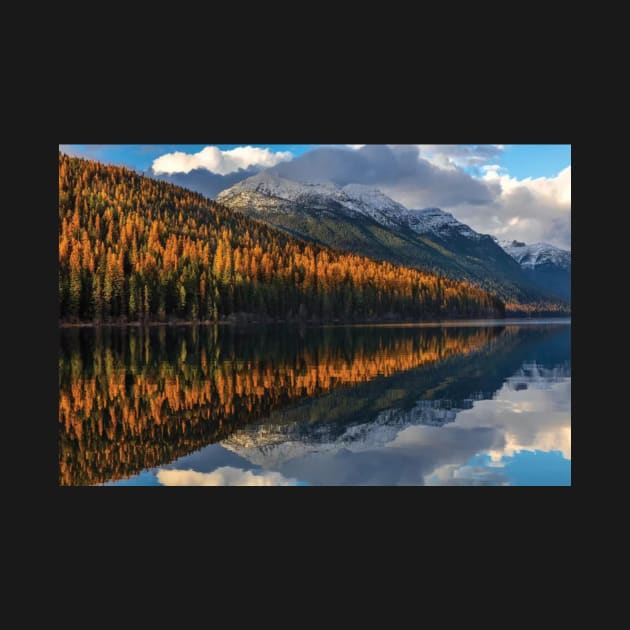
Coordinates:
column 511, row 191
column 520, row 160
column 535, row 160
column 141, row 156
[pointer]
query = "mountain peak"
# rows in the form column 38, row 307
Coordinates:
column 272, row 193
column 535, row 255
column 270, row 184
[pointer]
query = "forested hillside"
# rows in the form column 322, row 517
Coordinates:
column 136, row 249
column 364, row 221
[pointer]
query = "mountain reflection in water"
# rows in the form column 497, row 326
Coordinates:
column 338, row 405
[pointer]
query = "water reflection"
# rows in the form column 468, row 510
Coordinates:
column 427, row 444
column 316, row 406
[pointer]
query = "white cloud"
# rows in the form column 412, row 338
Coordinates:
column 418, row 176
column 397, row 170
column 530, row 210
column 549, row 190
column 453, row 156
column 224, row 476
column 220, row 162
column 492, row 168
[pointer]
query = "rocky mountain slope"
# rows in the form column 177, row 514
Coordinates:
column 364, row 220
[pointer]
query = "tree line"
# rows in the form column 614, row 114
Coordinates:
column 135, row 249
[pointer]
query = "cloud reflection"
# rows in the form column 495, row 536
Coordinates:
column 224, row 476
column 536, row 418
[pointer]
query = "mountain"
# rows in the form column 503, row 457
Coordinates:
column 537, row 255
column 135, row 249
column 363, row 220
column 547, row 266
column 312, row 208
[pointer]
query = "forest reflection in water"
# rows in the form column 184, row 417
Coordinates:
column 135, row 399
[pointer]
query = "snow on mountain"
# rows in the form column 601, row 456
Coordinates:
column 373, row 203
column 437, row 222
column 274, row 186
column 272, row 193
column 537, row 254
column 373, row 198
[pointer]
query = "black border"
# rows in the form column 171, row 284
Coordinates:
column 306, row 516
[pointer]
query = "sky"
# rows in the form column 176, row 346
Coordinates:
column 511, row 191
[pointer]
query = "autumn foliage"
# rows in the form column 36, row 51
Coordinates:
column 136, row 249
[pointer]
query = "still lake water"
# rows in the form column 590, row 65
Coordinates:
column 469, row 403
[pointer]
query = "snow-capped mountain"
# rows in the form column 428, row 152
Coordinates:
column 272, row 193
column 277, row 194
column 537, row 254
column 547, row 266
column 366, row 221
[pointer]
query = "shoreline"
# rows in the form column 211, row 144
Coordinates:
column 424, row 322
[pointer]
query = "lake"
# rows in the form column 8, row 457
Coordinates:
column 463, row 403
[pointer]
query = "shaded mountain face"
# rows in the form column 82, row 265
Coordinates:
column 546, row 266
column 363, row 220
